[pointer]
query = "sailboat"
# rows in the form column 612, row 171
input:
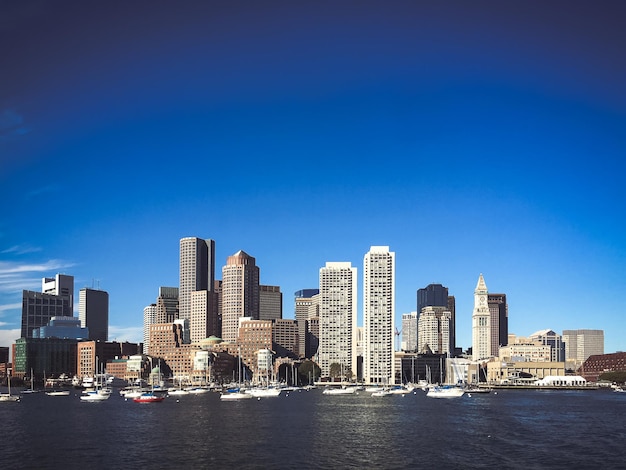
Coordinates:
column 238, row 393
column 32, row 385
column 8, row 396
column 150, row 396
column 100, row 393
column 180, row 390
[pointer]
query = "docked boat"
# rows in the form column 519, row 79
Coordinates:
column 233, row 396
column 177, row 391
column 339, row 391
column 95, row 395
column 264, row 392
column 149, row 397
column 58, row 393
column 382, row 393
column 198, row 390
column 8, row 396
column 445, row 391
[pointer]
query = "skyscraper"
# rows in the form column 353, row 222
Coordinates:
column 580, row 344
column 270, row 303
column 56, row 299
column 93, row 312
column 481, row 322
column 434, row 330
column 378, row 316
column 197, row 273
column 499, row 311
column 436, row 295
column 409, row 332
column 303, row 301
column 240, row 293
column 337, row 317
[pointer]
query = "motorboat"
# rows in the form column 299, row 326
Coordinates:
column 444, row 391
column 339, row 391
column 264, row 392
column 149, row 397
column 233, row 396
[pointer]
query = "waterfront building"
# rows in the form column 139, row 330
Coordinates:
column 524, row 350
column 436, row 295
column 55, row 300
column 522, row 373
column 409, row 332
column 62, row 327
column 92, row 356
column 434, row 327
column 49, row 356
column 165, row 310
column 270, row 303
column 285, row 337
column 481, row 323
column 170, row 346
column 240, row 293
column 378, row 316
column 580, row 344
column 597, row 364
column 337, row 317
column 197, row 273
column 253, row 336
column 303, row 302
column 93, row 311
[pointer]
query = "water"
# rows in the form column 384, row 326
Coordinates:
column 510, row 429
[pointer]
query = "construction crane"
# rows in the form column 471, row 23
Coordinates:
column 397, row 333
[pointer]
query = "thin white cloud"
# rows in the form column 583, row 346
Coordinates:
column 4, row 308
column 10, row 267
column 132, row 334
column 20, row 250
column 8, row 337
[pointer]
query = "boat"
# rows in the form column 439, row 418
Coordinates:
column 95, row 395
column 8, row 396
column 264, row 392
column 444, row 391
column 339, row 391
column 620, row 389
column 236, row 393
column 477, row 389
column 382, row 393
column 400, row 390
column 177, row 391
column 32, row 383
column 198, row 390
column 58, row 393
column 149, row 397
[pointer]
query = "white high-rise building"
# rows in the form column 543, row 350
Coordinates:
column 434, row 330
column 197, row 273
column 337, row 317
column 378, row 315
column 481, row 322
column 149, row 318
column 409, row 332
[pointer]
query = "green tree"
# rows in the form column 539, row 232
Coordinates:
column 335, row 370
column 309, row 371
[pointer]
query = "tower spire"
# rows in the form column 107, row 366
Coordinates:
column 481, row 286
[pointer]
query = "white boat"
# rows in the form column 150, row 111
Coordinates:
column 399, row 390
column 95, row 395
column 382, row 393
column 177, row 391
column 444, row 391
column 58, row 393
column 198, row 390
column 339, row 391
column 264, row 392
column 232, row 396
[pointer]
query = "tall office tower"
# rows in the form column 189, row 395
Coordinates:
column 481, row 323
column 93, row 312
column 285, row 337
column 409, row 332
column 378, row 316
column 197, row 273
column 434, row 330
column 499, row 311
column 580, row 344
column 150, row 317
column 436, row 295
column 337, row 317
column 303, row 304
column 240, row 293
column 167, row 305
column 270, row 303
column 56, row 299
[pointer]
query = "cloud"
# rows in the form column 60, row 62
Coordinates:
column 16, row 276
column 6, row 307
column 8, row 337
column 132, row 334
column 20, row 250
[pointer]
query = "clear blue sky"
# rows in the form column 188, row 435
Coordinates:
column 470, row 137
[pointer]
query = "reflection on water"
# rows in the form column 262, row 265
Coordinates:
column 510, row 429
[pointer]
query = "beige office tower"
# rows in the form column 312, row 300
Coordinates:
column 378, row 316
column 270, row 303
column 481, row 323
column 240, row 293
column 197, row 274
column 337, row 318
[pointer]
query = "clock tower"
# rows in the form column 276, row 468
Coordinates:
column 481, row 322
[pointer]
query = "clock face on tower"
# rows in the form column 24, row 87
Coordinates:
column 482, row 299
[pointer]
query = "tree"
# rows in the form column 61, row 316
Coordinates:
column 309, row 371
column 339, row 371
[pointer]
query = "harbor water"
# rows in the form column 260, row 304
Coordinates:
column 510, row 429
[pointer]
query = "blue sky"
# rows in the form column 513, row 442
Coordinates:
column 470, row 137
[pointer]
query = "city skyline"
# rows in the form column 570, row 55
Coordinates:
column 469, row 138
